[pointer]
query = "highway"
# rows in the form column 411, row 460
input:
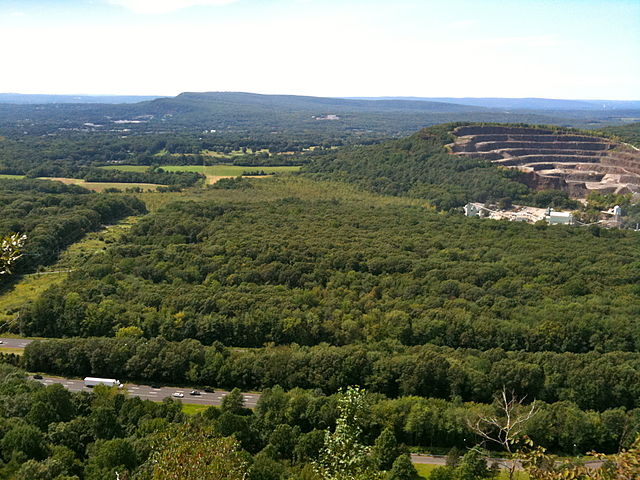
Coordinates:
column 14, row 342
column 250, row 400
column 143, row 391
column 157, row 394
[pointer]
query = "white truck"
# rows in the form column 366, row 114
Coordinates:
column 109, row 382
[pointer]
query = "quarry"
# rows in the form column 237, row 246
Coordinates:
column 555, row 159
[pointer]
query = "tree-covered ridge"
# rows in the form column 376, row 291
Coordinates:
column 421, row 166
column 343, row 272
column 629, row 133
column 92, row 174
column 67, row 152
column 288, row 115
column 54, row 215
column 593, row 381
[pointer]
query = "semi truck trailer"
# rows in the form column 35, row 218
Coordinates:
column 109, row 382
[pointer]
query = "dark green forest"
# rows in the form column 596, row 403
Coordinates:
column 50, row 433
column 590, row 381
column 54, row 215
column 306, row 272
column 360, row 270
column 421, row 166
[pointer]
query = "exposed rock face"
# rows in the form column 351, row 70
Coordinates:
column 573, row 162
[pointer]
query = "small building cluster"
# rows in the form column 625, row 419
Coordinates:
column 519, row 214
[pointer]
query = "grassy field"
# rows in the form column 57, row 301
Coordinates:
column 212, row 172
column 101, row 186
column 26, row 288
column 3, row 175
column 274, row 188
column 29, row 287
column 209, row 170
column 17, row 351
column 192, row 408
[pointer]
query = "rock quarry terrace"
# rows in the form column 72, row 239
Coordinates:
column 576, row 163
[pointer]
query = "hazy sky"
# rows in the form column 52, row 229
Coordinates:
column 505, row 48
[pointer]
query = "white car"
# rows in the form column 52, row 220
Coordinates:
column 178, row 394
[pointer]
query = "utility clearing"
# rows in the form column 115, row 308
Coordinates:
column 30, row 286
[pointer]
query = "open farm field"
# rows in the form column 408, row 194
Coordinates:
column 4, row 175
column 209, row 170
column 102, row 186
column 227, row 170
column 234, row 153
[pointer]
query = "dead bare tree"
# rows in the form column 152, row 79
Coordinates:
column 506, row 427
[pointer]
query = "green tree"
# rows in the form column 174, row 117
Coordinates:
column 265, row 468
column 473, row 466
column 10, row 248
column 344, row 457
column 385, row 450
column 402, row 469
column 106, row 457
column 188, row 452
column 233, row 402
column 25, row 439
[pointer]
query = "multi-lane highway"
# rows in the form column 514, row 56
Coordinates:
column 142, row 391
column 157, row 394
column 14, row 342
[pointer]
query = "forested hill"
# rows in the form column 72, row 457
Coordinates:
column 421, row 166
column 628, row 133
column 283, row 114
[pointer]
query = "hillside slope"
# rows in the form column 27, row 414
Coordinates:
column 254, row 113
column 563, row 160
column 455, row 163
column 420, row 166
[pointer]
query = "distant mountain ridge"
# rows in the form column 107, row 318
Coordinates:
column 523, row 103
column 250, row 113
column 310, row 103
column 434, row 104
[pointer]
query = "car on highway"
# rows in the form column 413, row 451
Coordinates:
column 209, row 390
column 155, row 386
column 1, row 342
column 194, row 392
column 178, row 394
column 37, row 377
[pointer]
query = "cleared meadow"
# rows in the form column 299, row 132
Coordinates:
column 29, row 287
column 13, row 177
column 221, row 170
column 102, row 186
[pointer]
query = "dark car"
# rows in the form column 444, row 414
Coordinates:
column 194, row 392
column 37, row 377
column 155, row 386
column 209, row 390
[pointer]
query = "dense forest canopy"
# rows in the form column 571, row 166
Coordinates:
column 48, row 432
column 421, row 166
column 53, row 215
column 361, row 270
column 334, row 271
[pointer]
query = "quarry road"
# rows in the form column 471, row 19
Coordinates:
column 15, row 342
column 158, row 394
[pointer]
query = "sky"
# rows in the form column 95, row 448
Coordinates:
column 574, row 49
